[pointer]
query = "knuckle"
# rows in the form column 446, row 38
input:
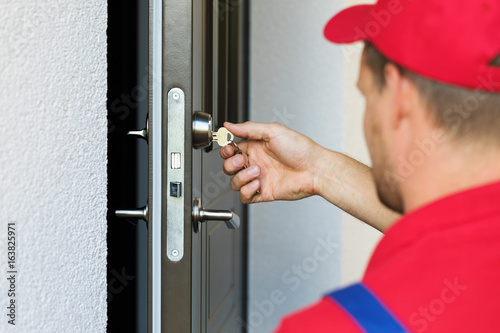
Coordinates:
column 274, row 128
column 233, row 184
column 247, row 194
column 243, row 199
column 227, row 166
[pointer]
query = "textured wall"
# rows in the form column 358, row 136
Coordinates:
column 308, row 84
column 53, row 138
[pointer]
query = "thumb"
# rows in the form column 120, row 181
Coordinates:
column 249, row 130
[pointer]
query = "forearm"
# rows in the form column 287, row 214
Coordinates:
column 349, row 185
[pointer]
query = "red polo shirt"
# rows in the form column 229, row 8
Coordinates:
column 436, row 269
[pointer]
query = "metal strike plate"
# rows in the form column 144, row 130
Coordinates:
column 175, row 173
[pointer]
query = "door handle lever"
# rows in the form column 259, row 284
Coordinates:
column 143, row 134
column 139, row 214
column 201, row 215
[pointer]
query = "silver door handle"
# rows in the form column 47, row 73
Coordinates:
column 201, row 215
column 143, row 133
column 140, row 214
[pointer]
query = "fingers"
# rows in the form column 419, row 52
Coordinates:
column 244, row 180
column 251, row 130
column 248, row 193
column 234, row 164
column 244, row 177
column 226, row 152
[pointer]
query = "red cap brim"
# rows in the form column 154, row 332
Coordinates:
column 348, row 25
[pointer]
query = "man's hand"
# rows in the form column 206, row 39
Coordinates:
column 281, row 161
column 286, row 165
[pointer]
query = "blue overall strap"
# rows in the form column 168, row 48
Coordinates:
column 366, row 309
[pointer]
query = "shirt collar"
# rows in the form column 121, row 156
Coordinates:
column 458, row 209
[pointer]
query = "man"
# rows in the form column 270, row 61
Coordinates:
column 430, row 75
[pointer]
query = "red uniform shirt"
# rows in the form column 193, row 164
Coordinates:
column 436, row 270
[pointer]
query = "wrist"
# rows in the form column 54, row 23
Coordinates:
column 324, row 170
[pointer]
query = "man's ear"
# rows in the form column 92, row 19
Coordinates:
column 398, row 89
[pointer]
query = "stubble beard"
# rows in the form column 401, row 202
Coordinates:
column 387, row 193
column 387, row 188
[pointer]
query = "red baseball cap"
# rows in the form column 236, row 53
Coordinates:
column 450, row 41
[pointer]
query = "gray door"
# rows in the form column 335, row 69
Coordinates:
column 225, row 99
column 196, row 279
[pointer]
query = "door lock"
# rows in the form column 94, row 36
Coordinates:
column 201, row 215
column 202, row 130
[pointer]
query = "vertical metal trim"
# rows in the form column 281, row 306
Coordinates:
column 156, row 141
column 177, row 58
column 215, row 61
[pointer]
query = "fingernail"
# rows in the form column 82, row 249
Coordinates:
column 253, row 171
column 238, row 161
column 224, row 153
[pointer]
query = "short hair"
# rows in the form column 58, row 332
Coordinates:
column 468, row 115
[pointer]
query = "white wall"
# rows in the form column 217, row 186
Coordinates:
column 53, row 162
column 308, row 84
column 358, row 239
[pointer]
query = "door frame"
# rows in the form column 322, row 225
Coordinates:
column 171, row 63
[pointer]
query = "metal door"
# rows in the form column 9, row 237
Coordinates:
column 196, row 279
column 222, row 249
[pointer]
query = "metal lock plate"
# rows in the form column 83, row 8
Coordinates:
column 175, row 174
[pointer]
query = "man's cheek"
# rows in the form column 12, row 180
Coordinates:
column 366, row 125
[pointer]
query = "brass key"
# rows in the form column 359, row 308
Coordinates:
column 223, row 137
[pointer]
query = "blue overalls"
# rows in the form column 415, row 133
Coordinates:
column 367, row 310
